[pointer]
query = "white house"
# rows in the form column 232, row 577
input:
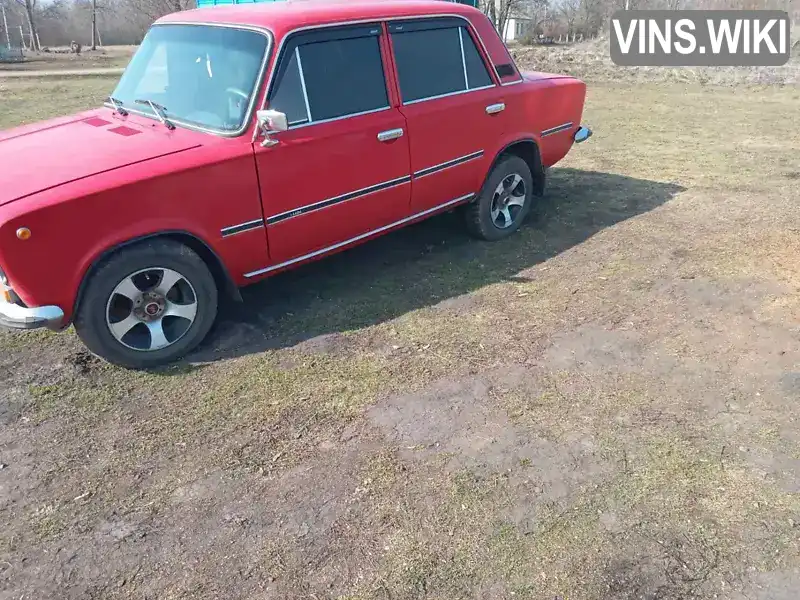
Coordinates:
column 516, row 27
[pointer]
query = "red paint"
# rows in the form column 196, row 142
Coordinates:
column 86, row 183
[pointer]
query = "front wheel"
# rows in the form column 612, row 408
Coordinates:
column 504, row 202
column 147, row 305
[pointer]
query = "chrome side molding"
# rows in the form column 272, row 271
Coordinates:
column 241, row 227
column 363, row 236
column 301, row 210
column 446, row 165
column 557, row 129
column 583, row 134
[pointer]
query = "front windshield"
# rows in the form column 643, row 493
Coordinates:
column 200, row 74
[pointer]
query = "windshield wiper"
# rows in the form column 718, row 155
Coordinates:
column 161, row 112
column 118, row 106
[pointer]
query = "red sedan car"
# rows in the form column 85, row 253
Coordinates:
column 245, row 140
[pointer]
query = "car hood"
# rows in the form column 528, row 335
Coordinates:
column 44, row 155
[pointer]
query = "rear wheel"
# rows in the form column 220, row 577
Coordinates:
column 504, row 202
column 147, row 305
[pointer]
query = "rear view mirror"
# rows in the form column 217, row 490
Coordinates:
column 271, row 121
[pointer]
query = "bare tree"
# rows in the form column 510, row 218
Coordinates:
column 538, row 12
column 154, row 9
column 507, row 9
column 591, row 16
column 569, row 10
column 30, row 7
column 94, row 24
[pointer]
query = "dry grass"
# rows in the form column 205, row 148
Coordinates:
column 102, row 58
column 603, row 406
column 591, row 61
column 29, row 100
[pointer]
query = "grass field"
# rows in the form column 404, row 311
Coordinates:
column 602, row 407
column 102, row 58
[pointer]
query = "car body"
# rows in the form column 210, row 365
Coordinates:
column 292, row 130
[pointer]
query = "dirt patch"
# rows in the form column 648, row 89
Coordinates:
column 255, row 518
column 463, row 423
column 773, row 585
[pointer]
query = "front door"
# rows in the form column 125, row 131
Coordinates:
column 452, row 107
column 342, row 168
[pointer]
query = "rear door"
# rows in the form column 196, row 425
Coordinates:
column 452, row 106
column 342, row 168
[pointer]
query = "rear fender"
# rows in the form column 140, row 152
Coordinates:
column 526, row 148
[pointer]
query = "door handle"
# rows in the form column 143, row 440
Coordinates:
column 390, row 134
column 493, row 109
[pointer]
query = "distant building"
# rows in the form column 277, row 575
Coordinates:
column 518, row 28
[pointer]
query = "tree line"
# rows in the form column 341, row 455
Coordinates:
column 37, row 23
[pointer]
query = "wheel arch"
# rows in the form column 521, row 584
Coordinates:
column 528, row 150
column 220, row 273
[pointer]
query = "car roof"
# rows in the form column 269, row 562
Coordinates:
column 281, row 17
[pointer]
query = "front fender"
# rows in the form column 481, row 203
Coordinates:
column 74, row 225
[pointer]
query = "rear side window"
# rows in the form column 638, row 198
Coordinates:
column 329, row 74
column 436, row 58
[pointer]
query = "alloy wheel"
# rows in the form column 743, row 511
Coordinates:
column 507, row 201
column 151, row 309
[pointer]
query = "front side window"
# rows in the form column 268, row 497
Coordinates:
column 436, row 58
column 202, row 75
column 330, row 74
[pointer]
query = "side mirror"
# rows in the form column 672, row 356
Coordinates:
column 271, row 121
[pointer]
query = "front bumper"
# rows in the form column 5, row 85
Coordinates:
column 583, row 134
column 20, row 317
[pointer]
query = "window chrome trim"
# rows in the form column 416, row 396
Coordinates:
column 448, row 94
column 360, row 237
column 513, row 82
column 556, row 129
column 271, row 78
column 241, row 227
column 463, row 58
column 310, row 121
column 463, row 65
column 447, row 164
column 257, row 86
column 332, row 119
column 328, row 202
column 303, row 83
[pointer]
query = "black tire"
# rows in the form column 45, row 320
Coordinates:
column 91, row 321
column 478, row 214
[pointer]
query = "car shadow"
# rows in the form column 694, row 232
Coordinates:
column 422, row 265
